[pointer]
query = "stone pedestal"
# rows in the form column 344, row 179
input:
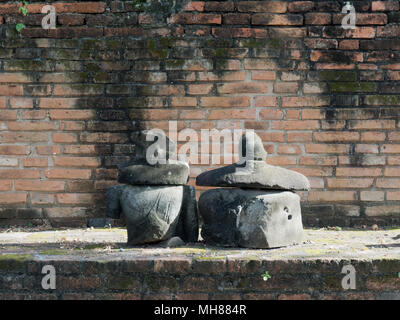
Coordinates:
column 251, row 218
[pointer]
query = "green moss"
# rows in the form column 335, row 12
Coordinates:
column 100, row 77
column 391, row 266
column 167, row 42
column 13, row 262
column 113, row 44
column 122, row 283
column 210, row 258
column 352, row 86
column 386, row 100
column 32, row 65
column 176, row 63
column 337, row 75
column 157, row 52
column 92, row 44
column 262, row 43
column 92, row 67
column 54, row 252
column 94, row 246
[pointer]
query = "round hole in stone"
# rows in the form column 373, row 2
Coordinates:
column 286, row 209
column 289, row 217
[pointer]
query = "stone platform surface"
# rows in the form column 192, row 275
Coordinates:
column 97, row 264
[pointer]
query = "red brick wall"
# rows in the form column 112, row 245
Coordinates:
column 324, row 100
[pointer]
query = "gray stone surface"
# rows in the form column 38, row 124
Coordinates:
column 171, row 173
column 154, row 213
column 172, row 243
column 151, row 213
column 100, row 222
column 251, row 147
column 188, row 224
column 254, row 174
column 251, row 218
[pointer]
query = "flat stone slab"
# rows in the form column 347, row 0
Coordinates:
column 255, row 174
column 171, row 173
column 106, row 244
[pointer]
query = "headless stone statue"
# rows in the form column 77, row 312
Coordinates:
column 156, row 203
column 262, row 211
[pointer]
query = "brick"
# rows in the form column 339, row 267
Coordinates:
column 289, row 149
column 200, row 89
column 300, row 6
column 64, row 137
column 349, row 183
column 21, row 103
column 14, row 150
column 372, row 196
column 44, row 186
column 366, row 148
column 376, row 211
column 262, row 6
column 271, row 114
column 389, row 183
column 76, row 162
column 71, row 114
column 327, row 148
column 331, row 196
column 270, row 19
column 16, row 198
column 244, row 87
column 394, row 160
column 35, row 162
column 19, row 174
column 232, row 114
column 236, row 18
column 385, row 5
column 68, row 174
column 364, row 18
column 349, row 45
column 23, row 137
column 34, row 115
column 318, row 161
column 57, row 103
column 299, row 136
column 5, row 185
column 359, row 172
column 286, row 87
column 295, row 125
column 305, row 101
column 265, row 101
column 392, row 172
column 71, row 19
column 371, row 124
column 220, row 102
column 198, row 18
column 333, row 136
column 263, row 75
column 392, row 195
column 317, row 18
column 239, row 33
column 76, row 198
column 8, row 162
column 194, row 6
column 390, row 148
column 172, row 265
column 31, row 126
